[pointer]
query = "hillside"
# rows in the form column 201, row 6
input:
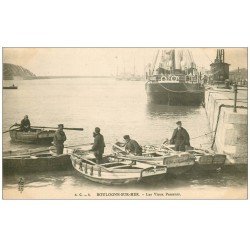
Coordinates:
column 11, row 71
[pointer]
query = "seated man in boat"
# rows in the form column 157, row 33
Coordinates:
column 59, row 139
column 180, row 138
column 99, row 145
column 132, row 146
column 25, row 124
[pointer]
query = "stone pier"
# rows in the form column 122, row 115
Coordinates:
column 230, row 128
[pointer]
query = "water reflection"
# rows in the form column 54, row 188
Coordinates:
column 165, row 111
column 65, row 179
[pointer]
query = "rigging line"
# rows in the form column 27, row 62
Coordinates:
column 202, row 135
column 207, row 56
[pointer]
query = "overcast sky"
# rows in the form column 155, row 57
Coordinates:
column 105, row 61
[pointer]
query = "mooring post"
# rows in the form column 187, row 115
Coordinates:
column 235, row 97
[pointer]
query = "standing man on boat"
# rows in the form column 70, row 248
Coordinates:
column 99, row 145
column 132, row 146
column 59, row 139
column 180, row 138
column 25, row 124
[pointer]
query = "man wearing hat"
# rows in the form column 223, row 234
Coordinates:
column 99, row 145
column 59, row 139
column 180, row 137
column 25, row 124
column 132, row 146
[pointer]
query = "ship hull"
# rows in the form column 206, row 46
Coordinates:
column 175, row 94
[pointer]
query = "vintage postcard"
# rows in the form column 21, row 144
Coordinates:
column 125, row 123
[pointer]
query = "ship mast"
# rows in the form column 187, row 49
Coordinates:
column 173, row 58
column 155, row 61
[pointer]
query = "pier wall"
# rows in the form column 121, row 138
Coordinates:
column 230, row 128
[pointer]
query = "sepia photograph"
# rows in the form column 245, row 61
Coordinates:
column 125, row 123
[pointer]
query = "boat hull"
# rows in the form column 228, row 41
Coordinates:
column 35, row 137
column 175, row 94
column 11, row 87
column 116, row 176
column 38, row 163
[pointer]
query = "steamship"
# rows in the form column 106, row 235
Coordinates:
column 175, row 81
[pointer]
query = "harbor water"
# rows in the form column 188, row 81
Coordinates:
column 118, row 108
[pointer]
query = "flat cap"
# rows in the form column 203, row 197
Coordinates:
column 126, row 137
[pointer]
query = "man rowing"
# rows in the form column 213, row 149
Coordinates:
column 180, row 138
column 59, row 139
column 132, row 146
column 25, row 124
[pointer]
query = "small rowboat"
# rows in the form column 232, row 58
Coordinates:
column 176, row 162
column 113, row 170
column 37, row 136
column 10, row 87
column 27, row 161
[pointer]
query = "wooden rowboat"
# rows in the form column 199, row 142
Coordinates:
column 26, row 161
column 37, row 136
column 114, row 171
column 176, row 162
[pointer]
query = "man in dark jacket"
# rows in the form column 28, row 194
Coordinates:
column 59, row 139
column 99, row 145
column 180, row 137
column 132, row 146
column 25, row 124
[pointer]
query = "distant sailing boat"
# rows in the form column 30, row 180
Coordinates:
column 128, row 76
column 175, row 81
column 134, row 76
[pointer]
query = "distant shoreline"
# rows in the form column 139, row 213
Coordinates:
column 55, row 77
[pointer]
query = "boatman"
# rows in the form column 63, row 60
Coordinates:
column 25, row 124
column 59, row 139
column 99, row 145
column 132, row 146
column 180, row 138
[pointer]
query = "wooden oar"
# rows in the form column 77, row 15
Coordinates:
column 73, row 146
column 11, row 129
column 89, row 161
column 78, row 129
column 119, row 148
column 25, row 154
column 141, row 161
column 122, row 150
column 167, row 147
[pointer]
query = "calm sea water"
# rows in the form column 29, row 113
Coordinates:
column 118, row 108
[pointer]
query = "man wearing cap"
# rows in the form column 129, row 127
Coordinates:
column 180, row 137
column 59, row 139
column 99, row 145
column 25, row 124
column 132, row 146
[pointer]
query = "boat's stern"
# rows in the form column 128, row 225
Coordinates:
column 153, row 171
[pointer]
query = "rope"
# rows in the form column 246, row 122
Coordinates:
column 202, row 135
